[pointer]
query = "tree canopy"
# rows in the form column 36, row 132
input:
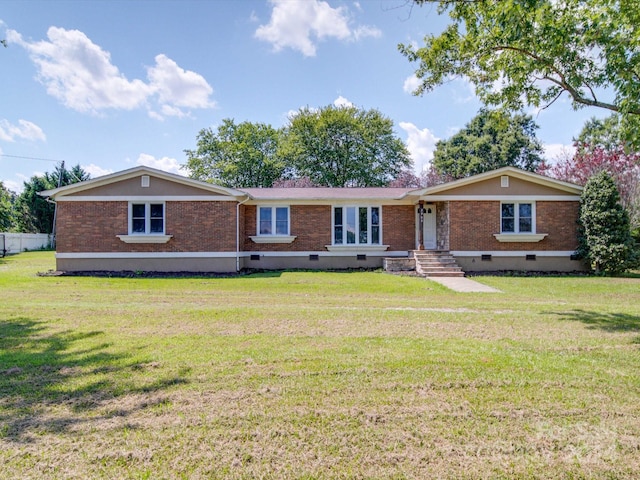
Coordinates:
column 601, row 133
column 530, row 52
column 7, row 199
column 344, row 147
column 600, row 147
column 237, row 155
column 492, row 139
column 331, row 146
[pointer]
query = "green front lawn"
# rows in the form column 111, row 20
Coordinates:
column 316, row 375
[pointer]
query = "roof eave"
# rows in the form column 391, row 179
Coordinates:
column 516, row 172
column 133, row 172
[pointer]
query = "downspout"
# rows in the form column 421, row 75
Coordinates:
column 238, row 232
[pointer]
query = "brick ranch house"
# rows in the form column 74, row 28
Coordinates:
column 149, row 220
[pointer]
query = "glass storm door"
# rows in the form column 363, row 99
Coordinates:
column 429, row 227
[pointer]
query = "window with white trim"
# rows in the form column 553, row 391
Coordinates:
column 517, row 217
column 146, row 218
column 356, row 226
column 273, row 221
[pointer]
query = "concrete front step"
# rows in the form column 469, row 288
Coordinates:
column 436, row 264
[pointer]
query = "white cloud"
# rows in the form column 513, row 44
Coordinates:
column 25, row 129
column 365, row 31
column 411, row 83
column 81, row 75
column 18, row 187
column 15, row 187
column 463, row 90
column 300, row 24
column 421, row 144
column 556, row 151
column 95, row 170
column 342, row 102
column 451, row 131
column 166, row 164
column 178, row 87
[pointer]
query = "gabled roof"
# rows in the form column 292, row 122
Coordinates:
column 135, row 172
column 510, row 171
column 313, row 193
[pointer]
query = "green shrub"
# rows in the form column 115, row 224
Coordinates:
column 606, row 241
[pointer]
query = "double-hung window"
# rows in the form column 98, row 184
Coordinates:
column 356, row 226
column 273, row 221
column 517, row 217
column 146, row 218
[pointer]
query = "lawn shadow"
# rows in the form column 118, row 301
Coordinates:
column 608, row 322
column 47, row 384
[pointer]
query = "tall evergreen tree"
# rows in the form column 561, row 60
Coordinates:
column 7, row 199
column 606, row 241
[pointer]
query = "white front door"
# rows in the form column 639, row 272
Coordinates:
column 429, row 227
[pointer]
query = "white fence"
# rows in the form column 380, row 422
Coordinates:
column 19, row 242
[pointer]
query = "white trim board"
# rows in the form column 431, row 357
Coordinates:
column 514, row 253
column 226, row 254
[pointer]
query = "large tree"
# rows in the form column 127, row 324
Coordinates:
column 7, row 199
column 530, row 52
column 34, row 214
column 623, row 167
column 237, row 155
column 599, row 133
column 606, row 242
column 600, row 146
column 344, row 147
column 492, row 139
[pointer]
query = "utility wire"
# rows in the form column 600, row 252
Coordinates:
column 30, row 158
column 43, row 160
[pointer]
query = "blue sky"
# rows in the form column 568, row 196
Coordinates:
column 114, row 84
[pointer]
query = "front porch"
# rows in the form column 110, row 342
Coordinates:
column 426, row 263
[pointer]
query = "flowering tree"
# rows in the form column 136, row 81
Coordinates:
column 624, row 168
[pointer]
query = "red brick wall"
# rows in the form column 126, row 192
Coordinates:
column 195, row 226
column 473, row 223
column 202, row 226
column 311, row 224
column 560, row 221
column 90, row 226
column 210, row 227
column 398, row 227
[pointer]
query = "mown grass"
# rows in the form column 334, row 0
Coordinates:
column 316, row 375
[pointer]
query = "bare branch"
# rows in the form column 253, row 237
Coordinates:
column 553, row 101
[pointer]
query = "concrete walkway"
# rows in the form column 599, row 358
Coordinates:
column 463, row 284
